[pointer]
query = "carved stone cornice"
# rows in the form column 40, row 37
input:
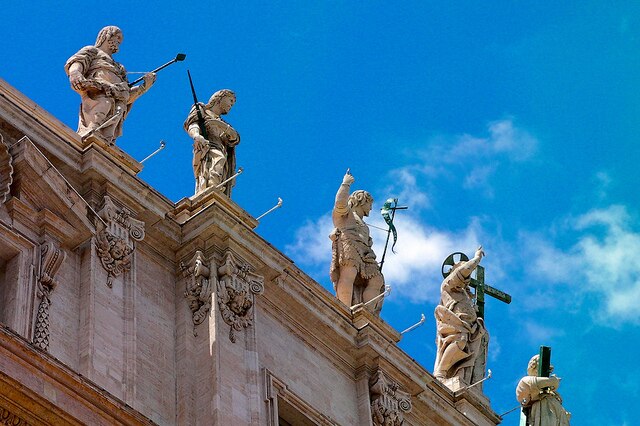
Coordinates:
column 235, row 291
column 51, row 258
column 198, row 287
column 115, row 242
column 6, row 170
column 388, row 402
column 10, row 419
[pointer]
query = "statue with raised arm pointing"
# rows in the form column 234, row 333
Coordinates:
column 459, row 329
column 354, row 271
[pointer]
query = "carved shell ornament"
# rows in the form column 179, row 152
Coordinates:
column 6, row 170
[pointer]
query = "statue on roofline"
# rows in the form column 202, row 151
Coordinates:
column 459, row 329
column 539, row 397
column 103, row 86
column 354, row 271
column 214, row 142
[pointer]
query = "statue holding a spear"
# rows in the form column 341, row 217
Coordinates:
column 107, row 95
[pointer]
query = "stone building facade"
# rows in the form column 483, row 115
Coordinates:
column 118, row 306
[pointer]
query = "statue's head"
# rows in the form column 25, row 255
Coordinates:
column 360, row 198
column 224, row 98
column 111, row 35
column 532, row 367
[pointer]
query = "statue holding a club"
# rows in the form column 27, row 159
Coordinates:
column 102, row 83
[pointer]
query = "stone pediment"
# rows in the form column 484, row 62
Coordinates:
column 43, row 197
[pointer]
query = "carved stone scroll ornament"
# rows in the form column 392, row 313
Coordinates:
column 10, row 419
column 6, row 170
column 235, row 290
column 115, row 243
column 198, row 287
column 51, row 258
column 388, row 402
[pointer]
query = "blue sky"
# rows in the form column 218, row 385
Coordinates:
column 510, row 124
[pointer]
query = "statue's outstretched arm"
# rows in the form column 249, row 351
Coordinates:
column 467, row 268
column 552, row 382
column 341, row 206
column 137, row 91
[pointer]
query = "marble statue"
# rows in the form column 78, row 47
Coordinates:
column 540, row 399
column 103, row 86
column 354, row 271
column 214, row 158
column 459, row 329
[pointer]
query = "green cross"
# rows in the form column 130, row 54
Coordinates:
column 482, row 288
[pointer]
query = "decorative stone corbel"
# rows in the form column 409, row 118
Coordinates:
column 235, row 290
column 51, row 258
column 6, row 170
column 115, row 242
column 388, row 402
column 198, row 287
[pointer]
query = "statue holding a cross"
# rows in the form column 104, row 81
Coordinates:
column 538, row 394
column 459, row 328
column 462, row 338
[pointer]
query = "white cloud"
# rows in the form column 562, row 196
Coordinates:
column 603, row 182
column 517, row 143
column 406, row 187
column 536, row 332
column 472, row 159
column 414, row 272
column 602, row 260
column 312, row 245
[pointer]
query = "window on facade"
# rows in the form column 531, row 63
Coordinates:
column 288, row 415
column 9, row 263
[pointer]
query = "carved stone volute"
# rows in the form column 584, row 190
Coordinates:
column 388, row 402
column 115, row 241
column 6, row 170
column 235, row 291
column 198, row 287
column 51, row 258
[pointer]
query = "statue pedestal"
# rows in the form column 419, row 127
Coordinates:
column 471, row 402
column 127, row 162
column 213, row 199
column 454, row 383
